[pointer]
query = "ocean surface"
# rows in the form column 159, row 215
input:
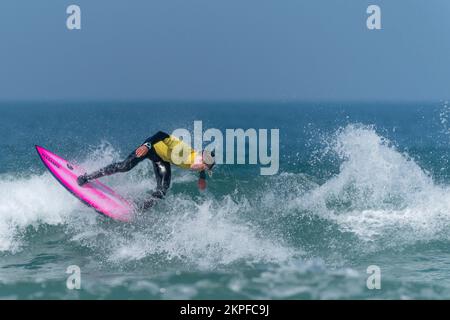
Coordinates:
column 359, row 184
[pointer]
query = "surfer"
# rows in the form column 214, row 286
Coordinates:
column 163, row 150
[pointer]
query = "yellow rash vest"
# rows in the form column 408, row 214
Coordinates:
column 171, row 149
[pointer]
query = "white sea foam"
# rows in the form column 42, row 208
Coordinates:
column 206, row 235
column 31, row 201
column 380, row 193
column 203, row 232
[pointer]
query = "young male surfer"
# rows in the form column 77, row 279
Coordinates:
column 163, row 150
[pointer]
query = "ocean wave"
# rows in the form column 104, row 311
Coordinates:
column 31, row 202
column 204, row 232
column 380, row 194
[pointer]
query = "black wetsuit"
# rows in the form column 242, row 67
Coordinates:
column 161, row 168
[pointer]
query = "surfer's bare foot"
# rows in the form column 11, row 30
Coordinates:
column 82, row 180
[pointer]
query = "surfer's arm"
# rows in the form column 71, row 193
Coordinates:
column 202, row 180
column 198, row 165
column 147, row 145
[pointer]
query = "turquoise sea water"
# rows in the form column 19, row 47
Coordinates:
column 359, row 184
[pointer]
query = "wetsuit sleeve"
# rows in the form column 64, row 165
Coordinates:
column 158, row 137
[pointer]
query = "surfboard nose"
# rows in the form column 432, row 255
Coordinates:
column 40, row 150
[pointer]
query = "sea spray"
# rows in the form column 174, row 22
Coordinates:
column 309, row 232
column 380, row 194
column 30, row 202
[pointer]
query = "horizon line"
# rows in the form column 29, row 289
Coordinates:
column 226, row 101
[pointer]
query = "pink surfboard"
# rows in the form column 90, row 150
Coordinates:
column 94, row 193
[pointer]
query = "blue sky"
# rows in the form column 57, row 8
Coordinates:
column 225, row 50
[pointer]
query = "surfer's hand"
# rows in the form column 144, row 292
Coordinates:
column 141, row 151
column 202, row 184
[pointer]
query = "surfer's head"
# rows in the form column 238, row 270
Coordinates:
column 208, row 158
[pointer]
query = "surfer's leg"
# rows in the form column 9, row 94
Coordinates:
column 123, row 166
column 163, row 175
